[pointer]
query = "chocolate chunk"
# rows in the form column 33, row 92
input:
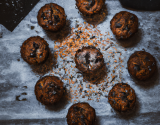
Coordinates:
column 92, row 3
column 24, row 93
column 41, row 97
column 79, row 50
column 92, row 37
column 98, row 60
column 35, row 45
column 32, row 27
column 137, row 67
column 54, row 92
column 50, row 22
column 130, row 33
column 118, row 25
column 132, row 17
column 73, row 122
column 114, row 102
column 17, row 98
column 147, row 59
column 46, row 47
column 113, row 94
column 76, row 109
column 126, row 28
column 43, row 16
column 56, row 18
column 98, row 54
column 41, row 55
column 40, row 86
column 87, row 56
column 33, row 54
column 124, row 97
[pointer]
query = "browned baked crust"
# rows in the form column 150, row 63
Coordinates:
column 141, row 65
column 51, row 17
column 89, row 61
column 122, row 97
column 124, row 25
column 49, row 90
column 89, row 7
column 81, row 114
column 34, row 50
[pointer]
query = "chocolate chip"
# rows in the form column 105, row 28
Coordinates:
column 58, row 88
column 56, row 18
column 76, row 109
column 132, row 17
column 92, row 37
column 85, row 91
column 92, row 79
column 79, row 50
column 43, row 16
column 41, row 97
column 92, row 3
column 98, row 54
column 87, row 56
column 17, row 98
column 147, row 59
column 32, row 27
column 50, row 22
column 41, row 55
column 114, row 102
column 126, row 28
column 137, row 67
column 33, row 54
column 46, row 47
column 118, row 25
column 54, row 92
column 130, row 33
column 35, row 45
column 73, row 122
column 113, row 94
column 98, row 60
column 24, row 93
column 124, row 97
column 149, row 68
column 39, row 86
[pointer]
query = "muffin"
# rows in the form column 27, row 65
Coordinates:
column 141, row 65
column 49, row 90
column 51, row 17
column 89, row 61
column 124, row 25
column 122, row 97
column 81, row 114
column 89, row 7
column 34, row 50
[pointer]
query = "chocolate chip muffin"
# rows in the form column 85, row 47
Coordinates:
column 49, row 90
column 141, row 65
column 89, row 7
column 34, row 50
column 122, row 97
column 81, row 114
column 124, row 25
column 89, row 61
column 51, row 17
